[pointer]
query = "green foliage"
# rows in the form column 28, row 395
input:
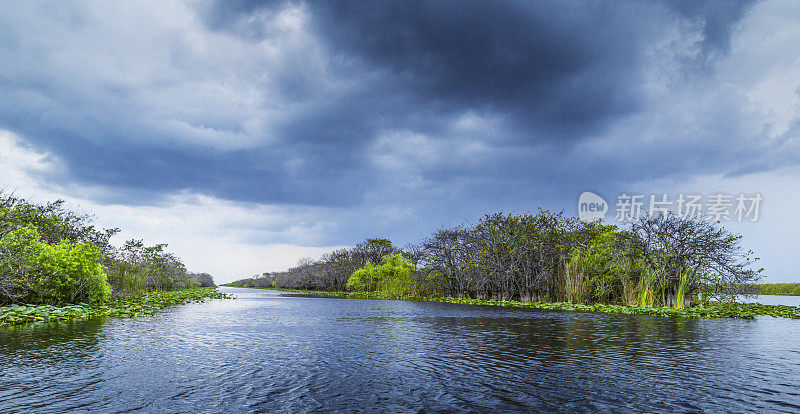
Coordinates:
column 138, row 268
column 365, row 279
column 202, row 279
column 713, row 310
column 72, row 273
column 37, row 272
column 596, row 269
column 787, row 289
column 647, row 287
column 680, row 296
column 393, row 276
column 50, row 254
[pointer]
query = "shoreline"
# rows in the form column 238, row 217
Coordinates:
column 717, row 310
column 145, row 304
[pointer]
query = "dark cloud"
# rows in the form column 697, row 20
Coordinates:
column 560, row 69
column 548, row 78
column 716, row 17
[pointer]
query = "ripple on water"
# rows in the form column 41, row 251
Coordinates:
column 266, row 351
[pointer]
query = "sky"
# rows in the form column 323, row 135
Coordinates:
column 250, row 134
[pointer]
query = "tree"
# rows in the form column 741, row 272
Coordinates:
column 393, row 276
column 688, row 254
column 32, row 271
column 202, row 279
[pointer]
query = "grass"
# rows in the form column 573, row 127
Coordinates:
column 713, row 310
column 784, row 289
column 127, row 307
column 681, row 295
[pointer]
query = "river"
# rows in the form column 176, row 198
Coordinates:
column 271, row 351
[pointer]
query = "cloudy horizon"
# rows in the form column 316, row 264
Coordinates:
column 250, row 134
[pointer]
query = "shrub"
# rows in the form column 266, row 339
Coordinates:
column 18, row 249
column 127, row 278
column 32, row 271
column 392, row 276
column 202, row 279
column 137, row 268
column 72, row 273
column 597, row 269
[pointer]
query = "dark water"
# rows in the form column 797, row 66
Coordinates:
column 270, row 352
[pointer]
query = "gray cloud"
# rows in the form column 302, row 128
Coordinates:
column 409, row 115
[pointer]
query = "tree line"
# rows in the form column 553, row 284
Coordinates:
column 656, row 260
column 50, row 254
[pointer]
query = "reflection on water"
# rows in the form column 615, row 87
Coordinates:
column 268, row 351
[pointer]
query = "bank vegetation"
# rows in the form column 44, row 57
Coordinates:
column 51, row 255
column 658, row 261
column 783, row 289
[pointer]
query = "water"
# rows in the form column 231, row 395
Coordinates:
column 267, row 351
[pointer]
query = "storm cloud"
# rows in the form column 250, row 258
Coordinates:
column 398, row 116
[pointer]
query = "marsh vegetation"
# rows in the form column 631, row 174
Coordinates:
column 659, row 261
column 784, row 289
column 52, row 256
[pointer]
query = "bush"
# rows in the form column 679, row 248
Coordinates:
column 127, row 278
column 72, row 274
column 202, row 279
column 597, row 270
column 392, row 276
column 137, row 268
column 32, row 271
column 18, row 249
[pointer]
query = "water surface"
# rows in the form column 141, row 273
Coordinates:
column 267, row 351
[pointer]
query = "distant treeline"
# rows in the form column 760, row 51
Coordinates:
column 661, row 259
column 52, row 255
column 786, row 289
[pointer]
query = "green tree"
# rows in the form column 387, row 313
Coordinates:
column 393, row 276
column 33, row 271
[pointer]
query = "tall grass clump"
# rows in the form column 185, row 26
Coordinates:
column 680, row 296
column 647, row 287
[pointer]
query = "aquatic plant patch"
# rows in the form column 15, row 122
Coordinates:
column 128, row 307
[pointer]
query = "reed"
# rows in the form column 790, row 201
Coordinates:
column 680, row 296
column 575, row 283
column 647, row 287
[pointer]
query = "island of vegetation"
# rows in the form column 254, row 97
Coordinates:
column 782, row 289
column 55, row 265
column 660, row 264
